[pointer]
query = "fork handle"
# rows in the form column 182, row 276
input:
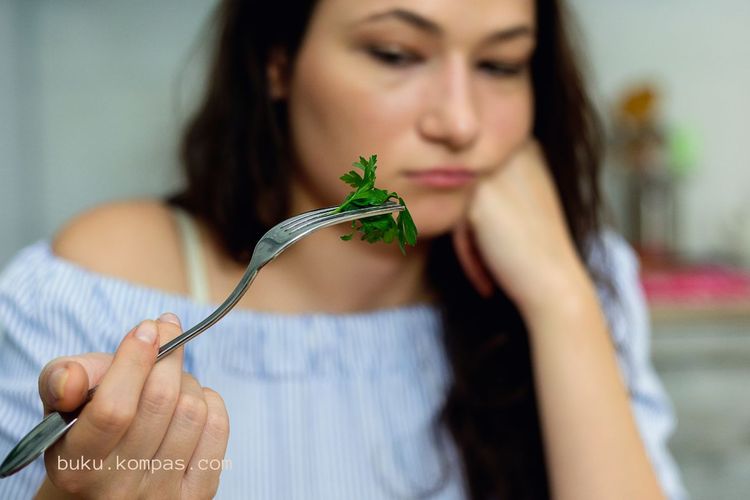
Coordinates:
column 42, row 436
column 215, row 316
column 56, row 424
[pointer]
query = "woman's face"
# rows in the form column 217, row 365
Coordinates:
column 440, row 90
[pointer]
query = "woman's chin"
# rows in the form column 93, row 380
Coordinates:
column 435, row 218
column 436, row 224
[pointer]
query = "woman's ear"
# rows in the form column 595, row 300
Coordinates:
column 277, row 73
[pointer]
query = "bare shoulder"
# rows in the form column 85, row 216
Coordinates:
column 133, row 240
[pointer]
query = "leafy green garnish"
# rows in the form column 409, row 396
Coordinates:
column 365, row 194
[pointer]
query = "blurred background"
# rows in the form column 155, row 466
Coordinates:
column 93, row 94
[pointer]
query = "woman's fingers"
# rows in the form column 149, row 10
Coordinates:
column 158, row 399
column 106, row 418
column 203, row 471
column 181, row 438
column 471, row 261
column 152, row 430
column 64, row 382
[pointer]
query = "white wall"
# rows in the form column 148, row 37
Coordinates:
column 11, row 182
column 699, row 52
column 93, row 89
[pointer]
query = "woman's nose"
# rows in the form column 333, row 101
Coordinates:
column 450, row 115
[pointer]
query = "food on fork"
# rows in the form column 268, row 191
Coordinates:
column 365, row 194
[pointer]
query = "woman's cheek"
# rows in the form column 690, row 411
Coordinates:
column 382, row 118
column 509, row 121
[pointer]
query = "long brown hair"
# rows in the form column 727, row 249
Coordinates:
column 238, row 138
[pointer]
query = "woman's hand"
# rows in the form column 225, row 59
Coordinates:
column 150, row 430
column 515, row 234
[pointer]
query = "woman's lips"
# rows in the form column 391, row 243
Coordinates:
column 442, row 177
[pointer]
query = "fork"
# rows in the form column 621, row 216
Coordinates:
column 271, row 244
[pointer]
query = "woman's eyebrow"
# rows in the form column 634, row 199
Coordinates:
column 423, row 24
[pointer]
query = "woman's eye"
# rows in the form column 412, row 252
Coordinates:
column 393, row 57
column 499, row 69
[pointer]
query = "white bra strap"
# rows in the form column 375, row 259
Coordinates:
column 194, row 263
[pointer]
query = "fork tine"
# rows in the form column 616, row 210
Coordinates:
column 285, row 225
column 323, row 220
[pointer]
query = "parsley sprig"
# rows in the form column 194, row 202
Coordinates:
column 365, row 194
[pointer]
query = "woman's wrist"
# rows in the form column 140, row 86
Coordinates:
column 564, row 294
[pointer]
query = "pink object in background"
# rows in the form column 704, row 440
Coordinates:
column 696, row 285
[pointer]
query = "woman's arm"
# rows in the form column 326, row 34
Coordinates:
column 516, row 224
column 593, row 446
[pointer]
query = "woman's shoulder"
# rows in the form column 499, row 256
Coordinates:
column 133, row 240
column 104, row 271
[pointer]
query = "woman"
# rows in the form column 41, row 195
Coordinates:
column 480, row 365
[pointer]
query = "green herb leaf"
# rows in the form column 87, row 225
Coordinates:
column 352, row 178
column 407, row 224
column 382, row 227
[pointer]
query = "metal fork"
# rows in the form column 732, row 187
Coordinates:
column 271, row 244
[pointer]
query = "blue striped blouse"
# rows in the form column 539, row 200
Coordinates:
column 322, row 406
